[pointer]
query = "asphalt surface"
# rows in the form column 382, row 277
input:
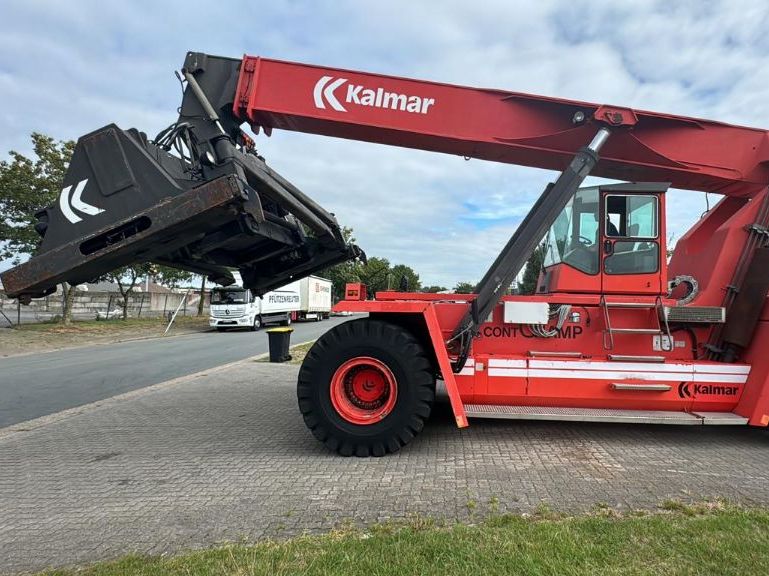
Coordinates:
column 37, row 385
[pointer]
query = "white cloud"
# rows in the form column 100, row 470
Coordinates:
column 68, row 68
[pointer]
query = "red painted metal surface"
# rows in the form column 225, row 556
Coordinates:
column 508, row 363
column 438, row 338
column 509, row 366
column 355, row 291
column 501, row 126
column 363, row 390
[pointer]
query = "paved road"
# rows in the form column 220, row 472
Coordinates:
column 41, row 384
column 226, row 456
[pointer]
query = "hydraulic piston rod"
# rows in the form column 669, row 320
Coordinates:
column 525, row 239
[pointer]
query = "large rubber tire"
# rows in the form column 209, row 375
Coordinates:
column 393, row 347
column 257, row 323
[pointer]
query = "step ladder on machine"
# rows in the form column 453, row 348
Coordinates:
column 662, row 329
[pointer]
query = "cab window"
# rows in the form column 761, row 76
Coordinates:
column 631, row 216
column 633, row 220
column 573, row 237
column 232, row 296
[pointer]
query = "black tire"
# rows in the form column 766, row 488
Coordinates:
column 220, row 329
column 404, row 357
column 286, row 322
column 257, row 323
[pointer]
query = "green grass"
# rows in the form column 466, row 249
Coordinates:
column 53, row 336
column 690, row 540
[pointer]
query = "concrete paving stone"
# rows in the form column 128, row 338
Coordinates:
column 226, row 456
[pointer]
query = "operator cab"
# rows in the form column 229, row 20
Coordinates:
column 608, row 240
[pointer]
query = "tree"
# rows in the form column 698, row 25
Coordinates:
column 375, row 274
column 403, row 276
column 26, row 186
column 171, row 277
column 202, row 295
column 433, row 289
column 532, row 270
column 126, row 279
column 464, row 288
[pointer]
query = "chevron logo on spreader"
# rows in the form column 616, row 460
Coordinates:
column 69, row 205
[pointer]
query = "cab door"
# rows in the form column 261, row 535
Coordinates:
column 633, row 243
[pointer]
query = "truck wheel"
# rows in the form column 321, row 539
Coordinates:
column 287, row 321
column 366, row 388
column 257, row 323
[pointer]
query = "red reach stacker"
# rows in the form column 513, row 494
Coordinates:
column 616, row 331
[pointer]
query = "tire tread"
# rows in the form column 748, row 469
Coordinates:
column 398, row 343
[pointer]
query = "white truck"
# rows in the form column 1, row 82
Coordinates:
column 236, row 307
column 315, row 298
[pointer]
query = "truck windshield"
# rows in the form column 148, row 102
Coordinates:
column 229, row 297
column 573, row 237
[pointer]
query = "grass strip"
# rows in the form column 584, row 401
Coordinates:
column 680, row 540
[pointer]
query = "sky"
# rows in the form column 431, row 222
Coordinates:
column 67, row 68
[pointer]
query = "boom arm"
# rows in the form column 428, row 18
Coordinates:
column 501, row 126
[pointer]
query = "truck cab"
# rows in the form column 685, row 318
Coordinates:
column 237, row 307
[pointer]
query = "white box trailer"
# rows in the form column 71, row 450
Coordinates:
column 315, row 298
column 236, row 307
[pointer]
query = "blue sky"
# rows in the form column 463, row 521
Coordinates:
column 67, row 68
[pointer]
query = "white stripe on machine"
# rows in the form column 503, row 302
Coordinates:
column 588, row 370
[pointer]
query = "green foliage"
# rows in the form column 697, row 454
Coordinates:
column 434, row 289
column 402, row 276
column 377, row 274
column 532, row 270
column 464, row 288
column 28, row 184
column 171, row 277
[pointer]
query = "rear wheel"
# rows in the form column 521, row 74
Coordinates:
column 366, row 388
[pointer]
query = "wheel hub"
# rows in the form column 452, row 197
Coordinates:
column 363, row 390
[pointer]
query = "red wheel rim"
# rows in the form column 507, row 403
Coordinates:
column 363, row 390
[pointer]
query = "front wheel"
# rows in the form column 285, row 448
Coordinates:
column 366, row 388
column 257, row 324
